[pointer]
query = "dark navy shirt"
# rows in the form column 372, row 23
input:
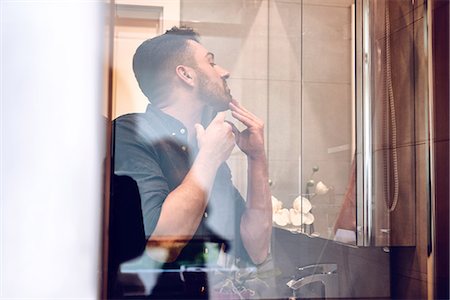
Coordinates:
column 153, row 149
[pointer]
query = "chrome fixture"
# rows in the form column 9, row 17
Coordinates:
column 323, row 273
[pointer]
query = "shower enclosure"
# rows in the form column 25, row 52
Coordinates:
column 393, row 127
column 342, row 88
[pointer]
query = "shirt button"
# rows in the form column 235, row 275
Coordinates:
column 205, row 214
column 206, row 250
column 182, row 130
column 173, row 133
column 183, row 148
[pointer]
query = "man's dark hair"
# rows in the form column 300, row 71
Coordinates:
column 155, row 60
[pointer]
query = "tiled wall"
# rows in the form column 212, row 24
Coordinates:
column 285, row 27
column 326, row 112
column 407, row 223
column 236, row 31
column 260, row 43
column 409, row 265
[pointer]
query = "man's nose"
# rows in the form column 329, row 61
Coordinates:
column 222, row 72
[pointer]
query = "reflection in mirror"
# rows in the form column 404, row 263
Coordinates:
column 312, row 88
column 287, row 71
column 198, row 237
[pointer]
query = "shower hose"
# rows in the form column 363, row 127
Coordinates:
column 390, row 106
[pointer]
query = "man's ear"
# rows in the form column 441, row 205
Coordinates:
column 186, row 74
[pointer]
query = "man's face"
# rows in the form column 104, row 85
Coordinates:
column 212, row 87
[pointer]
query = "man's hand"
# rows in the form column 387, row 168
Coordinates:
column 217, row 140
column 256, row 222
column 250, row 140
column 183, row 209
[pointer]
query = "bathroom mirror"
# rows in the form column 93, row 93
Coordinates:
column 292, row 63
column 315, row 72
column 311, row 116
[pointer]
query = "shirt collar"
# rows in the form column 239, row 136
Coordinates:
column 173, row 126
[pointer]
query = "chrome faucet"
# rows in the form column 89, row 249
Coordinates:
column 324, row 273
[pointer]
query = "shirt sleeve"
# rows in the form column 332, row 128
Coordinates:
column 136, row 158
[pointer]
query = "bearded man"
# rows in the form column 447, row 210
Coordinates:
column 178, row 161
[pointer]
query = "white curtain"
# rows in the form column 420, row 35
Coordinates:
column 52, row 148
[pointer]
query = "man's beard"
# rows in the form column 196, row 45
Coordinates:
column 213, row 94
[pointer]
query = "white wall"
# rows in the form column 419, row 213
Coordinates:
column 52, row 148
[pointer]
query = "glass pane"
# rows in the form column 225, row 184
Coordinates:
column 292, row 64
column 328, row 105
column 398, row 67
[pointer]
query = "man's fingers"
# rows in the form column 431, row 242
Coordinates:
column 247, row 121
column 239, row 109
column 236, row 132
column 251, row 119
column 234, row 128
column 200, row 131
column 235, row 105
column 220, row 117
